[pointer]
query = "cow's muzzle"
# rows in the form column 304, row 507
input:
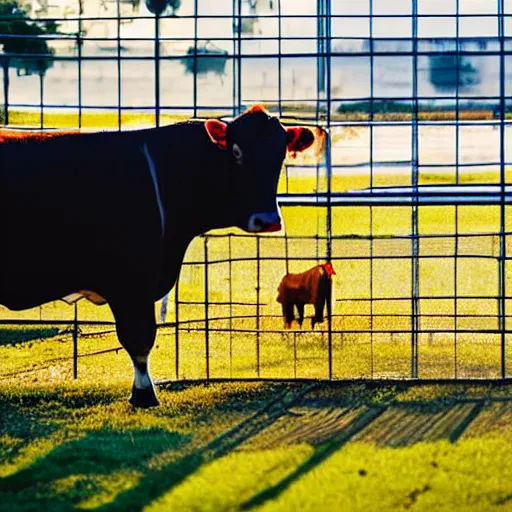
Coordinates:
column 264, row 222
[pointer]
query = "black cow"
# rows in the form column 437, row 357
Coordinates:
column 109, row 216
column 314, row 286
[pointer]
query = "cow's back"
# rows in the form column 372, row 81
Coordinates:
column 72, row 177
column 74, row 205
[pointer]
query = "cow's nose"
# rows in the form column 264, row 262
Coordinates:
column 264, row 221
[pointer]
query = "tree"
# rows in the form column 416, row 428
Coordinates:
column 15, row 22
column 158, row 7
column 174, row 6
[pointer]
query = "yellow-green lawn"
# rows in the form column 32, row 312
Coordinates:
column 68, row 445
column 257, row 446
column 385, row 352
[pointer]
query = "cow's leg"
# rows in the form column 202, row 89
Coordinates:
column 300, row 309
column 328, row 299
column 288, row 314
column 136, row 330
column 319, row 312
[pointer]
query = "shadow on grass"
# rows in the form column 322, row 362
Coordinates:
column 109, row 451
column 65, row 476
column 18, row 430
column 156, row 483
column 57, row 399
column 321, row 453
column 102, row 451
column 22, row 335
column 398, row 426
column 30, row 415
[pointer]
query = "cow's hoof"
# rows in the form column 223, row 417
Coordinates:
column 144, row 398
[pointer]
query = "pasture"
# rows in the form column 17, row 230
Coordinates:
column 371, row 337
column 271, row 445
column 68, row 444
column 256, row 446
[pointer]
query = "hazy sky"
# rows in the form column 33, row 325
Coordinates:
column 435, row 26
column 358, row 6
column 434, row 22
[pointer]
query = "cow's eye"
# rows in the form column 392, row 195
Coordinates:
column 237, row 153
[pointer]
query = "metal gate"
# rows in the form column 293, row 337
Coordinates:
column 410, row 200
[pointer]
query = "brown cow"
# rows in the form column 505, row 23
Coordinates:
column 314, row 286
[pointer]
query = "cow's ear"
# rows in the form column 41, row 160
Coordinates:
column 217, row 131
column 299, row 138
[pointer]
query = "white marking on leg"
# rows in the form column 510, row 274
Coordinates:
column 152, row 171
column 142, row 380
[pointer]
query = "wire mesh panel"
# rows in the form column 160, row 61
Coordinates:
column 409, row 199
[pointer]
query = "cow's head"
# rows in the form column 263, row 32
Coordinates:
column 256, row 144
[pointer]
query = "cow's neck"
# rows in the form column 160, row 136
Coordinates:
column 193, row 181
column 194, row 187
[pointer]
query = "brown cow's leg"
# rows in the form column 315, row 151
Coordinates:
column 136, row 330
column 288, row 315
column 323, row 298
column 319, row 313
column 300, row 309
column 328, row 299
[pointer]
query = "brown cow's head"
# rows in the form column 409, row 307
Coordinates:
column 256, row 143
column 329, row 269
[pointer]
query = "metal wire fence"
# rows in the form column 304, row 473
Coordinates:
column 410, row 200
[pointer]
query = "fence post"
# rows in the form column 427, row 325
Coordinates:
column 503, row 212
column 75, row 343
column 177, row 328
column 41, row 97
column 5, row 66
column 330, row 307
column 258, row 275
column 194, row 77
column 79, row 43
column 415, row 270
column 230, row 271
column 206, row 310
column 157, row 70
column 294, row 355
column 324, row 91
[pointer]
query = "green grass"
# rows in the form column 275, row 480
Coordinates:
column 88, row 119
column 256, row 446
column 305, row 354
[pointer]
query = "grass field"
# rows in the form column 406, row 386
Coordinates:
column 257, row 446
column 234, row 345
column 386, row 277
column 68, row 444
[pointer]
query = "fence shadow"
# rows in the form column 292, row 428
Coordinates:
column 26, row 334
column 324, row 421
column 392, row 425
column 102, row 451
column 322, row 452
column 156, row 483
column 107, row 451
